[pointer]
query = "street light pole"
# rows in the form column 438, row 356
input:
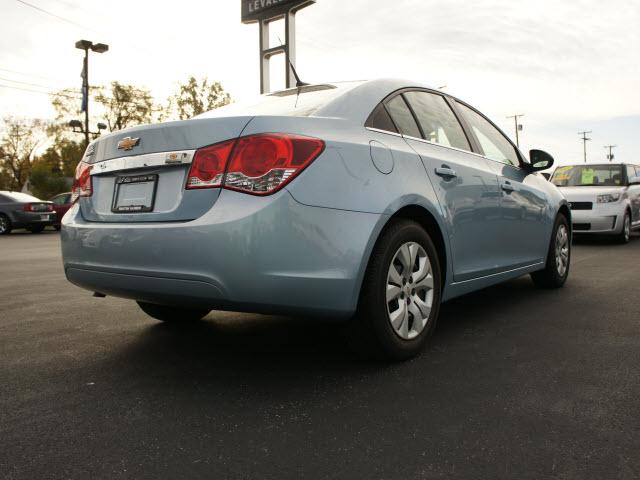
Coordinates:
column 87, row 45
column 610, row 157
column 518, row 127
column 585, row 139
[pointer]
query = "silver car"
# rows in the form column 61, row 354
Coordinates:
column 371, row 201
column 604, row 199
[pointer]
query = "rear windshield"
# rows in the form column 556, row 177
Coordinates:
column 588, row 176
column 20, row 197
column 296, row 102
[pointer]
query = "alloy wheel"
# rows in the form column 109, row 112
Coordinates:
column 627, row 228
column 410, row 292
column 562, row 250
column 4, row 224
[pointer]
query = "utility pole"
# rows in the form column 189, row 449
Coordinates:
column 611, row 156
column 87, row 45
column 518, row 127
column 585, row 139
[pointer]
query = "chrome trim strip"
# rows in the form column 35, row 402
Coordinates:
column 383, row 131
column 443, row 146
column 158, row 159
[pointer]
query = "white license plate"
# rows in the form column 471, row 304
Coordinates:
column 44, row 217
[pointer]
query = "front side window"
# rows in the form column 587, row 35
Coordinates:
column 494, row 144
column 437, row 120
column 588, row 176
column 403, row 117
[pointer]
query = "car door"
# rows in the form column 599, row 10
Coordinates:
column 465, row 184
column 524, row 217
column 633, row 191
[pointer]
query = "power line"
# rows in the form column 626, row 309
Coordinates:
column 73, row 97
column 42, row 10
column 25, row 74
column 23, row 83
column 39, row 91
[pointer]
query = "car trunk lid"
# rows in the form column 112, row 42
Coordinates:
column 139, row 174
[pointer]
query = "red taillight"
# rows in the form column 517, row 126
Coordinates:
column 207, row 168
column 263, row 164
column 258, row 164
column 82, row 182
column 37, row 207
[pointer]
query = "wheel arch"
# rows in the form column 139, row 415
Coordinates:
column 427, row 220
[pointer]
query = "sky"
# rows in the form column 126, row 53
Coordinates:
column 568, row 66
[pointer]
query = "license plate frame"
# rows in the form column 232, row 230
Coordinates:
column 123, row 185
column 45, row 218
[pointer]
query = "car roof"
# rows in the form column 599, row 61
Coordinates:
column 349, row 100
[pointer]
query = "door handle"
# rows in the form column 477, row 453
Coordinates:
column 446, row 172
column 507, row 187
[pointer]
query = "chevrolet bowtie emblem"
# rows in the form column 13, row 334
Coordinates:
column 128, row 143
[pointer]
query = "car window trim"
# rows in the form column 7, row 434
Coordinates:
column 423, row 140
column 443, row 97
column 450, row 100
column 413, row 115
column 516, row 149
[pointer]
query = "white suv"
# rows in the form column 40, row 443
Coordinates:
column 604, row 199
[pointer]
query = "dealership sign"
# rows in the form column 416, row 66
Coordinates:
column 256, row 10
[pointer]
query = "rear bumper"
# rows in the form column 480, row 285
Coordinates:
column 27, row 219
column 602, row 220
column 262, row 254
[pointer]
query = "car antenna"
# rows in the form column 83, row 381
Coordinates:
column 299, row 83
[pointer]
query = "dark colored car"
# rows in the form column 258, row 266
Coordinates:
column 61, row 203
column 19, row 210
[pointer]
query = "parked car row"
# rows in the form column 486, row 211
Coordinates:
column 20, row 210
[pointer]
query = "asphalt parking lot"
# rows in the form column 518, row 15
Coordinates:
column 518, row 383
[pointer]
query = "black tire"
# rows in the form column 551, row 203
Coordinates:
column 625, row 234
column 171, row 314
column 5, row 224
column 371, row 329
column 551, row 277
column 36, row 228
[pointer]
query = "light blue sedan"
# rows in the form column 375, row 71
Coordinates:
column 370, row 201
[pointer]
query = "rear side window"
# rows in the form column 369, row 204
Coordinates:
column 381, row 120
column 494, row 144
column 403, row 117
column 437, row 120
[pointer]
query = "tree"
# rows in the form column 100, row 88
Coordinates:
column 125, row 105
column 194, row 98
column 43, row 183
column 62, row 156
column 17, row 146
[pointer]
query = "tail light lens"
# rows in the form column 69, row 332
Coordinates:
column 263, row 164
column 38, row 207
column 207, row 168
column 258, row 164
column 82, row 182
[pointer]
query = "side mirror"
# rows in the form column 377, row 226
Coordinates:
column 540, row 160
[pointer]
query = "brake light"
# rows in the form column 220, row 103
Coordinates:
column 258, row 164
column 263, row 164
column 207, row 168
column 82, row 186
column 38, row 207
